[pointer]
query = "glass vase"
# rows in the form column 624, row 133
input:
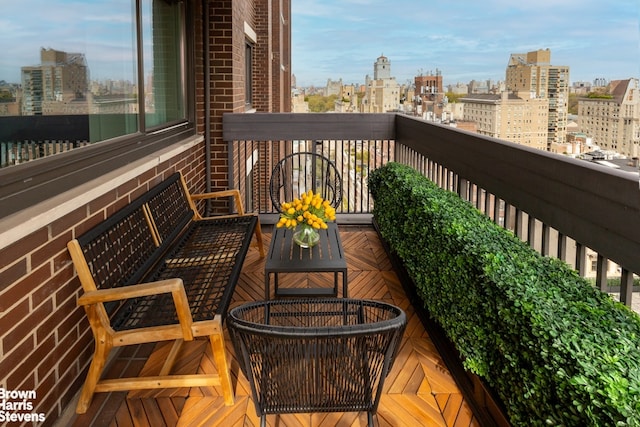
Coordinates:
column 306, row 237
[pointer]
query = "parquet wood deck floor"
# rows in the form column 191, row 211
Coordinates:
column 419, row 390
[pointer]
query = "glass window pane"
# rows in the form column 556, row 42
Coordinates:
column 163, row 62
column 68, row 72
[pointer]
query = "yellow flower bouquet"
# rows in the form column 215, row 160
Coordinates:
column 309, row 213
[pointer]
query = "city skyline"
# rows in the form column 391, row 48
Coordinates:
column 464, row 40
column 342, row 39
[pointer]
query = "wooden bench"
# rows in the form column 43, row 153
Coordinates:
column 155, row 271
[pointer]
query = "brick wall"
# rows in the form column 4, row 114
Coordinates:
column 226, row 55
column 45, row 339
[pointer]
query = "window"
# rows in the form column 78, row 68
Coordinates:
column 111, row 75
column 248, row 78
column 107, row 62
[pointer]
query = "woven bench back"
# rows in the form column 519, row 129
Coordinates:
column 120, row 249
column 169, row 207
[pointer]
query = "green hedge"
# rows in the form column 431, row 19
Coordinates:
column 556, row 350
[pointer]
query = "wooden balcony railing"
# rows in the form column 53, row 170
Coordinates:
column 563, row 207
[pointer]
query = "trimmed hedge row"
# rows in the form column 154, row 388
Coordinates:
column 556, row 350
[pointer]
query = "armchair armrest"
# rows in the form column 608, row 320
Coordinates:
column 173, row 286
column 219, row 194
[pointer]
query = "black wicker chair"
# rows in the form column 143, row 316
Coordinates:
column 316, row 355
column 300, row 172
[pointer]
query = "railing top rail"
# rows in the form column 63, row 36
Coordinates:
column 597, row 206
column 292, row 126
column 594, row 205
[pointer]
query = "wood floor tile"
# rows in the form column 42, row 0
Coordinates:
column 419, row 390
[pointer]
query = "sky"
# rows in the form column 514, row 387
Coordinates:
column 101, row 29
column 465, row 39
column 341, row 39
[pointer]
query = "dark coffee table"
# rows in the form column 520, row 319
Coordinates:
column 287, row 257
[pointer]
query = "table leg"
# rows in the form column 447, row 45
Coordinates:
column 267, row 279
column 344, row 284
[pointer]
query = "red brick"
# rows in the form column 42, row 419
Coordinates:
column 119, row 204
column 147, row 176
column 11, row 275
column 61, row 263
column 49, row 325
column 127, row 187
column 68, row 221
column 24, row 383
column 85, row 349
column 23, row 246
column 70, row 359
column 22, row 288
column 65, row 380
column 10, row 360
column 51, row 249
column 26, row 327
column 45, row 384
column 103, row 201
column 8, row 319
column 68, row 288
column 89, row 223
column 26, row 369
column 43, row 292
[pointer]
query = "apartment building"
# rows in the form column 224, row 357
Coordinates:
column 515, row 117
column 51, row 87
column 612, row 119
column 382, row 93
column 532, row 72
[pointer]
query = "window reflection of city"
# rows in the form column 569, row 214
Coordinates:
column 60, row 85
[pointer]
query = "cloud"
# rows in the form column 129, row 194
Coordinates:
column 101, row 29
column 466, row 39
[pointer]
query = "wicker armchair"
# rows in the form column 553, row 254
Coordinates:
column 316, row 355
column 300, row 172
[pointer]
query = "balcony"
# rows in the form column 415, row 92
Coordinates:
column 584, row 214
column 420, row 381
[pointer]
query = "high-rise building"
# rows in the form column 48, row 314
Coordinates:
column 532, row 72
column 60, row 78
column 612, row 119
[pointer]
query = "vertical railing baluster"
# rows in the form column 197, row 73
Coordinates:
column 518, row 224
column 626, row 287
column 531, row 231
column 601, row 273
column 581, row 255
column 562, row 247
column 546, row 237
